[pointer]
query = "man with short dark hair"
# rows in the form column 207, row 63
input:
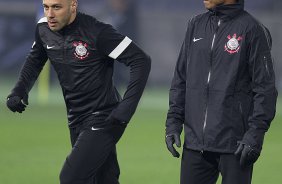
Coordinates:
column 82, row 50
column 223, row 93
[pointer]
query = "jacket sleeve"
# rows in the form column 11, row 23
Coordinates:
column 176, row 112
column 31, row 68
column 263, row 86
column 124, row 50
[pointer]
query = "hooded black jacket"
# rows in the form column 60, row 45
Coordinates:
column 82, row 55
column 224, row 86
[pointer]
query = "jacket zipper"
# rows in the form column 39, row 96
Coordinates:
column 208, row 81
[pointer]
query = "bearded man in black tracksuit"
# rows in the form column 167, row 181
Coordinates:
column 223, row 93
column 82, row 50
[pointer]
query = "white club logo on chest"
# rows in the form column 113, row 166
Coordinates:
column 233, row 44
column 81, row 51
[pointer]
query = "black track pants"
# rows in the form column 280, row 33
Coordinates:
column 204, row 168
column 93, row 158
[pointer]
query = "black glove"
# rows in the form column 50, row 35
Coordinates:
column 17, row 103
column 170, row 139
column 249, row 148
column 246, row 154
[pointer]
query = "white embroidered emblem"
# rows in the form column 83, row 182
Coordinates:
column 81, row 51
column 233, row 45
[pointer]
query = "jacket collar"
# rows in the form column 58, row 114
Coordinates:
column 225, row 12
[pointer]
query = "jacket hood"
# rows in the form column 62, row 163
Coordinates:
column 228, row 11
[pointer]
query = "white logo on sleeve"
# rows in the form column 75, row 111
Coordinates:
column 50, row 47
column 197, row 39
column 95, row 129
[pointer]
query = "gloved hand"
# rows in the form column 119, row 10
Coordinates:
column 246, row 154
column 250, row 146
column 17, row 103
column 170, row 139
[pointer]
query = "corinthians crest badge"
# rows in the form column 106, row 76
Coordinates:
column 233, row 45
column 81, row 51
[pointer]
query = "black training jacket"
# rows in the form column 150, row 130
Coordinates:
column 82, row 55
column 224, row 84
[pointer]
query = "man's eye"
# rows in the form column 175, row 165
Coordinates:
column 46, row 8
column 57, row 7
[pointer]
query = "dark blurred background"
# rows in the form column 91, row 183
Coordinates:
column 158, row 26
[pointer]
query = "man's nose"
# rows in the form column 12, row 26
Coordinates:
column 50, row 13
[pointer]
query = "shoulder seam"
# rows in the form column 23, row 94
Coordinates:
column 266, row 34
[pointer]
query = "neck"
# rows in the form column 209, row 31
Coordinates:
column 72, row 18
